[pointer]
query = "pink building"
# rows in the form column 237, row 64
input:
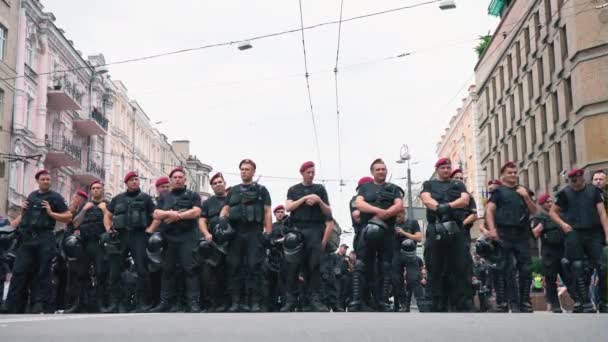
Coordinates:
column 59, row 108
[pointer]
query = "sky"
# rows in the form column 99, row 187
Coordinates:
column 234, row 104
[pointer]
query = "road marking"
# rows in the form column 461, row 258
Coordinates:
column 49, row 317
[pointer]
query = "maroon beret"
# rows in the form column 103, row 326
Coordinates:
column 455, row 172
column 575, row 172
column 97, row 181
column 306, row 165
column 217, row 175
column 494, row 182
column 130, row 175
column 364, row 180
column 41, row 172
column 443, row 161
column 177, row 169
column 508, row 165
column 82, row 194
column 247, row 161
column 278, row 207
column 162, row 181
column 542, row 199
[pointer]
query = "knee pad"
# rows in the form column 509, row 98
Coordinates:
column 578, row 267
column 386, row 267
column 359, row 266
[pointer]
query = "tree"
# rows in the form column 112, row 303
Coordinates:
column 484, row 42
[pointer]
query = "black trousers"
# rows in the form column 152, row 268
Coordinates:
column 329, row 283
column 244, row 262
column 133, row 242
column 310, row 265
column 446, row 268
column 373, row 266
column 589, row 243
column 179, row 252
column 78, row 277
column 552, row 265
column 518, row 266
column 33, row 260
column 405, row 287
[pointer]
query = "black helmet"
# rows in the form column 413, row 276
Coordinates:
column 72, row 247
column 208, row 252
column 293, row 247
column 223, row 232
column 110, row 243
column 484, row 248
column 373, row 233
column 156, row 246
column 7, row 236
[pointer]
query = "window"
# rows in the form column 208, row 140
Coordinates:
column 547, row 167
column 29, row 115
column 548, row 13
column 563, row 41
column 572, row 148
column 536, row 175
column 503, row 115
column 533, row 130
column 520, row 95
column 487, row 101
column 524, row 142
column 530, row 81
column 509, row 68
column 512, row 107
column 1, row 107
column 536, row 25
column 543, row 118
column 558, row 159
column 568, row 95
column 3, row 38
column 555, row 107
column 527, row 41
column 501, row 73
column 551, row 51
column 514, row 147
column 518, row 55
column 495, row 95
column 541, row 75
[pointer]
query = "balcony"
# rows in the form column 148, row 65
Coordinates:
column 63, row 95
column 96, row 124
column 61, row 152
column 88, row 174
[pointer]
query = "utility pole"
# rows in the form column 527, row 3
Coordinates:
column 404, row 156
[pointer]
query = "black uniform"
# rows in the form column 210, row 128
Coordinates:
column 444, row 252
column 182, row 238
column 369, row 257
column 585, row 241
column 471, row 209
column 132, row 214
column 90, row 229
column 512, row 222
column 330, row 268
column 213, row 278
column 276, row 269
column 247, row 204
column 403, row 293
column 552, row 239
column 36, row 252
column 310, row 221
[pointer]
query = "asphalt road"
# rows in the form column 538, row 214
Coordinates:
column 305, row 327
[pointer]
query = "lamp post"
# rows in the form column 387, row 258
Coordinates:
column 405, row 156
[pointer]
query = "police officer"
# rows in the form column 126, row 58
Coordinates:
column 248, row 209
column 276, row 274
column 405, row 259
column 552, row 239
column 163, row 186
column 579, row 211
column 214, row 278
column 378, row 202
column 343, row 277
column 311, row 218
column 179, row 211
column 599, row 181
column 88, row 226
column 355, row 214
column 127, row 217
column 445, row 255
column 36, row 222
column 508, row 220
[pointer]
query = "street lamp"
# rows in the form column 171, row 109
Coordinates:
column 447, row 4
column 405, row 156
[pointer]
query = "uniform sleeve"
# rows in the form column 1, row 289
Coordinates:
column 290, row 194
column 426, row 187
column 150, row 205
column 58, row 204
column 323, row 195
column 495, row 197
column 266, row 197
column 196, row 198
column 112, row 205
column 461, row 187
column 205, row 209
column 599, row 197
column 415, row 227
column 561, row 200
column 472, row 204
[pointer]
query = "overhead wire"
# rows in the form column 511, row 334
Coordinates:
column 337, row 92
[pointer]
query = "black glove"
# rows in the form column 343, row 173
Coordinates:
column 266, row 241
column 443, row 209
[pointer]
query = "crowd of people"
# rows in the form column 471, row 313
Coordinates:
column 178, row 253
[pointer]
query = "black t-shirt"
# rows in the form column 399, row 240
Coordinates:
column 445, row 192
column 409, row 226
column 372, row 192
column 305, row 213
column 561, row 200
column 56, row 201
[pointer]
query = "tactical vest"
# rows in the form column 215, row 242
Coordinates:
column 305, row 213
column 552, row 234
column 179, row 202
column 247, row 206
column 512, row 210
column 442, row 196
column 130, row 213
column 214, row 205
column 384, row 198
column 581, row 212
column 92, row 223
column 36, row 217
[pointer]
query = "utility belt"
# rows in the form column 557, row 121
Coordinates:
column 446, row 230
column 28, row 234
column 303, row 225
column 554, row 237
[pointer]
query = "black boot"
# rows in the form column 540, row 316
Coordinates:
column 355, row 304
column 290, row 303
column 114, row 300
column 255, row 303
column 76, row 305
column 385, row 304
column 583, row 303
column 234, row 307
column 501, row 300
column 316, row 305
column 405, row 302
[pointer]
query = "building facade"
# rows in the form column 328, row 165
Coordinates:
column 198, row 172
column 9, row 29
column 542, row 90
column 459, row 143
column 59, row 110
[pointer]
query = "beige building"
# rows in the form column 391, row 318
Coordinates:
column 459, row 143
column 542, row 87
column 9, row 29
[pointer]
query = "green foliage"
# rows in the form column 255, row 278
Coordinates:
column 537, row 266
column 484, row 42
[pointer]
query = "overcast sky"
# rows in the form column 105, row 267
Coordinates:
column 234, row 104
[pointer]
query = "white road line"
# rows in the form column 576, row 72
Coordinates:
column 51, row 317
